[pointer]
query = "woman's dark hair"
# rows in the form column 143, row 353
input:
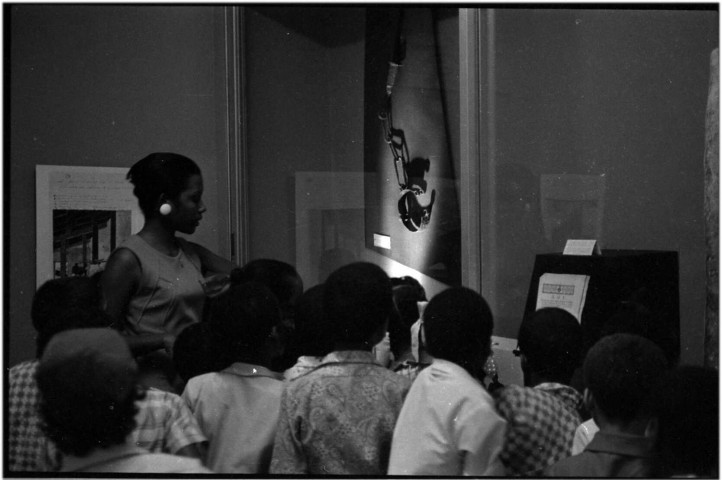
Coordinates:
column 159, row 174
column 458, row 324
column 357, row 300
column 78, row 429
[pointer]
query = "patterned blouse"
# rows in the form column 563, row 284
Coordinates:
column 338, row 419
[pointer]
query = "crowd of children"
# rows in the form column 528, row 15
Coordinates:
column 352, row 377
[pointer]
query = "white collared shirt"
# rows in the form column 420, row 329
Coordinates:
column 238, row 411
column 447, row 426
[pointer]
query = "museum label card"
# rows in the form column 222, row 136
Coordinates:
column 582, row 247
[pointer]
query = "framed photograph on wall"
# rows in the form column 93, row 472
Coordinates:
column 82, row 214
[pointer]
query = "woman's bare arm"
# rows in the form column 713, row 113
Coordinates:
column 213, row 263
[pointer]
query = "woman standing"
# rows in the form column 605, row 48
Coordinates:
column 155, row 284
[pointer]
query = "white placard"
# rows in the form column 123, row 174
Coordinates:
column 64, row 188
column 382, row 241
column 560, row 290
column 582, row 247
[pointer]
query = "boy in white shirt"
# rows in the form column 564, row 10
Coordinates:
column 448, row 424
column 238, row 407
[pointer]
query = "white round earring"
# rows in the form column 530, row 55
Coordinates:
column 165, row 209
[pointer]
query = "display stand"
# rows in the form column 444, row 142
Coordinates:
column 650, row 277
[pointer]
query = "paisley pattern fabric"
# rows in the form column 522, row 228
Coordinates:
column 338, row 419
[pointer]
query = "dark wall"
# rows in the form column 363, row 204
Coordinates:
column 305, row 110
column 620, row 93
column 105, row 86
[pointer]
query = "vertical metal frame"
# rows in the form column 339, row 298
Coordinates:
column 477, row 110
column 235, row 63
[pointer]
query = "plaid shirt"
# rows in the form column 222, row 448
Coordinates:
column 164, row 424
column 29, row 450
column 541, row 422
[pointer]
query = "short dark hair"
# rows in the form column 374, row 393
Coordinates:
column 195, row 352
column 281, row 277
column 160, row 173
column 87, row 380
column 628, row 317
column 82, row 432
column 357, row 301
column 412, row 282
column 551, row 341
column 458, row 324
column 310, row 335
column 406, row 297
column 620, row 371
column 63, row 304
column 242, row 319
column 686, row 403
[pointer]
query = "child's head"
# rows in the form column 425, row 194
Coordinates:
column 620, row 371
column 66, row 303
column 243, row 321
column 411, row 282
column 357, row 302
column 280, row 277
column 458, row 324
column 310, row 336
column 88, row 384
column 194, row 352
column 406, row 298
column 550, row 343
column 687, row 408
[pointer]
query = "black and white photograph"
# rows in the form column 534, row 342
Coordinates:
column 367, row 240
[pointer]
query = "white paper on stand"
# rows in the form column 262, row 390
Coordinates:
column 563, row 291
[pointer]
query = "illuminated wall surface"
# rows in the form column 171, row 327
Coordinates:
column 419, row 112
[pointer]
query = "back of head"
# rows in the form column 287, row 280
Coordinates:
column 406, row 298
column 551, row 341
column 281, row 277
column 620, row 371
column 458, row 324
column 310, row 336
column 411, row 282
column 628, row 317
column 242, row 320
column 87, row 380
column 160, row 173
column 357, row 301
column 195, row 352
column 66, row 303
column 687, row 407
